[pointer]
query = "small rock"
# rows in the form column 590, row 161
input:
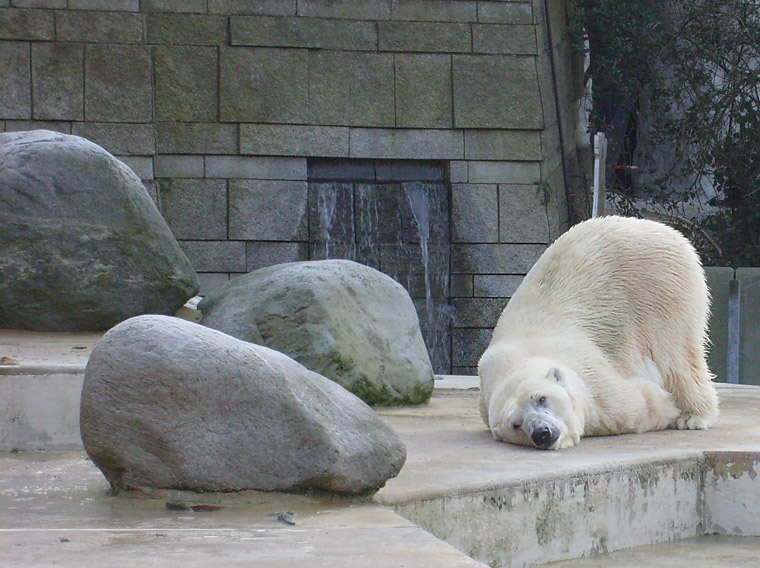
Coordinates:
column 287, row 517
column 203, row 508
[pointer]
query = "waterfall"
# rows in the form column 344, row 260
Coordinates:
column 437, row 317
column 399, row 226
column 418, row 202
column 368, row 217
column 327, row 198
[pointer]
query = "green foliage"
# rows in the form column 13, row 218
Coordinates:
column 691, row 68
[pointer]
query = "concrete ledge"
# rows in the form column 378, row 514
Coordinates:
column 568, row 516
column 55, row 510
column 31, row 352
column 40, row 411
column 41, row 377
column 511, row 506
column 486, row 502
column 496, row 504
column 457, row 382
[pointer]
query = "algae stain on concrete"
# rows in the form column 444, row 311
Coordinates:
column 550, row 522
column 736, row 468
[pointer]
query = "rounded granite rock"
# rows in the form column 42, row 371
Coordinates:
column 170, row 404
column 82, row 245
column 346, row 321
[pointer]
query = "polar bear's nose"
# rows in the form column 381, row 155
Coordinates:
column 543, row 437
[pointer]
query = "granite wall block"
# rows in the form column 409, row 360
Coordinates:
column 268, row 210
column 186, row 29
column 315, row 33
column 119, row 138
column 423, row 91
column 195, row 209
column 15, row 94
column 215, row 256
column 264, row 85
column 196, row 138
column 295, row 140
column 126, row 96
column 58, row 81
column 186, row 83
column 523, row 214
column 99, row 27
column 475, row 213
column 348, row 88
column 496, row 91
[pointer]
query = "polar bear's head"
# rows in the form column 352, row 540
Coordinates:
column 533, row 406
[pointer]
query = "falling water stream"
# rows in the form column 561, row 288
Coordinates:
column 327, row 199
column 418, row 202
column 359, row 214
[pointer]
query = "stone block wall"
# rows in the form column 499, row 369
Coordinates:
column 220, row 106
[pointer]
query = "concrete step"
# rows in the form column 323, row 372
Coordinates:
column 710, row 551
column 461, row 499
column 55, row 510
column 41, row 378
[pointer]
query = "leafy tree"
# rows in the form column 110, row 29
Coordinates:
column 676, row 87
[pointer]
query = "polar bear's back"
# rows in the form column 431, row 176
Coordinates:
column 625, row 284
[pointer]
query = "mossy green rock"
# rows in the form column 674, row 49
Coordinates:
column 82, row 245
column 338, row 318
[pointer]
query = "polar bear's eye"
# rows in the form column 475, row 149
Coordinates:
column 542, row 400
column 516, row 425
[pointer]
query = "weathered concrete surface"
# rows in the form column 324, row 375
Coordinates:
column 451, row 452
column 705, row 551
column 638, row 488
column 635, row 489
column 29, row 352
column 41, row 378
column 601, row 495
column 731, row 495
column 54, row 509
column 511, row 506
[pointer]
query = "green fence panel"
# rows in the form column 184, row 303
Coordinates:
column 749, row 351
column 718, row 280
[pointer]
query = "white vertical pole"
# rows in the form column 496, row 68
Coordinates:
column 600, row 157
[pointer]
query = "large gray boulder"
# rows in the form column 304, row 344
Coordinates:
column 171, row 404
column 82, row 245
column 341, row 319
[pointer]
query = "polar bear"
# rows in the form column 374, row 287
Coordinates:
column 605, row 335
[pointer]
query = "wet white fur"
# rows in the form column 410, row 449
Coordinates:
column 619, row 306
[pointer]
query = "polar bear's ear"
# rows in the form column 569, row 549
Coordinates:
column 555, row 373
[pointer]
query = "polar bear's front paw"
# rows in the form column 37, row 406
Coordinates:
column 691, row 422
column 567, row 441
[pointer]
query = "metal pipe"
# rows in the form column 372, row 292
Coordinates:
column 558, row 109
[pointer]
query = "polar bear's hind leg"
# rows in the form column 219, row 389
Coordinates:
column 695, row 395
